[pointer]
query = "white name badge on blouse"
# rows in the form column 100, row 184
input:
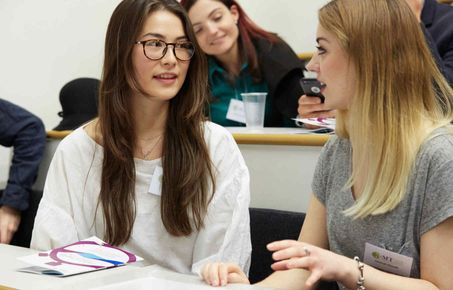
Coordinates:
column 236, row 111
column 155, row 187
column 387, row 260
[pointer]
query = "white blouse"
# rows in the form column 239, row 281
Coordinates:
column 67, row 212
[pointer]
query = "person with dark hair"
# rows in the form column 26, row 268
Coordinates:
column 79, row 103
column 381, row 212
column 245, row 58
column 24, row 132
column 150, row 174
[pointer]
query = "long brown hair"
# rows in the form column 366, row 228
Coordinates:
column 400, row 96
column 187, row 171
column 248, row 31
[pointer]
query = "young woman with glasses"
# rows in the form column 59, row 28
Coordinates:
column 245, row 58
column 150, row 174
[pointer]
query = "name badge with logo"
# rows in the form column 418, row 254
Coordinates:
column 236, row 111
column 387, row 261
column 155, row 187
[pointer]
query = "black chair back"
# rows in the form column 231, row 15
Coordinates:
column 268, row 225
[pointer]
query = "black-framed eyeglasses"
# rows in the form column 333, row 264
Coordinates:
column 156, row 49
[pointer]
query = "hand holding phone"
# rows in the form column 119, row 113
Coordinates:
column 312, row 88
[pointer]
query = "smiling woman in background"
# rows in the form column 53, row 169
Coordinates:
column 150, row 174
column 245, row 58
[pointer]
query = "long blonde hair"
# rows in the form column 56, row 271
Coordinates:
column 400, row 96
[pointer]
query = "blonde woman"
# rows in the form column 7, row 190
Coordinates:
column 381, row 213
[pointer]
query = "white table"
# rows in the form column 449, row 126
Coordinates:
column 11, row 278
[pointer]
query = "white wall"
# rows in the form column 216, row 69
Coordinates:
column 294, row 20
column 46, row 43
column 280, row 175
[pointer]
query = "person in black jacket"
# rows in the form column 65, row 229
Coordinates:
column 245, row 58
column 25, row 132
column 437, row 18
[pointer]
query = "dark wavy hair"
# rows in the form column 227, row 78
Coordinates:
column 186, row 162
column 248, row 31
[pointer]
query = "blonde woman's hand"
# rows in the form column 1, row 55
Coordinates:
column 322, row 264
column 221, row 274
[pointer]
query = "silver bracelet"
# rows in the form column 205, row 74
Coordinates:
column 361, row 281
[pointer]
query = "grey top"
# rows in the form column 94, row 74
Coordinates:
column 428, row 201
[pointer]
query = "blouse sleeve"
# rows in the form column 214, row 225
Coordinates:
column 54, row 224
column 226, row 233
